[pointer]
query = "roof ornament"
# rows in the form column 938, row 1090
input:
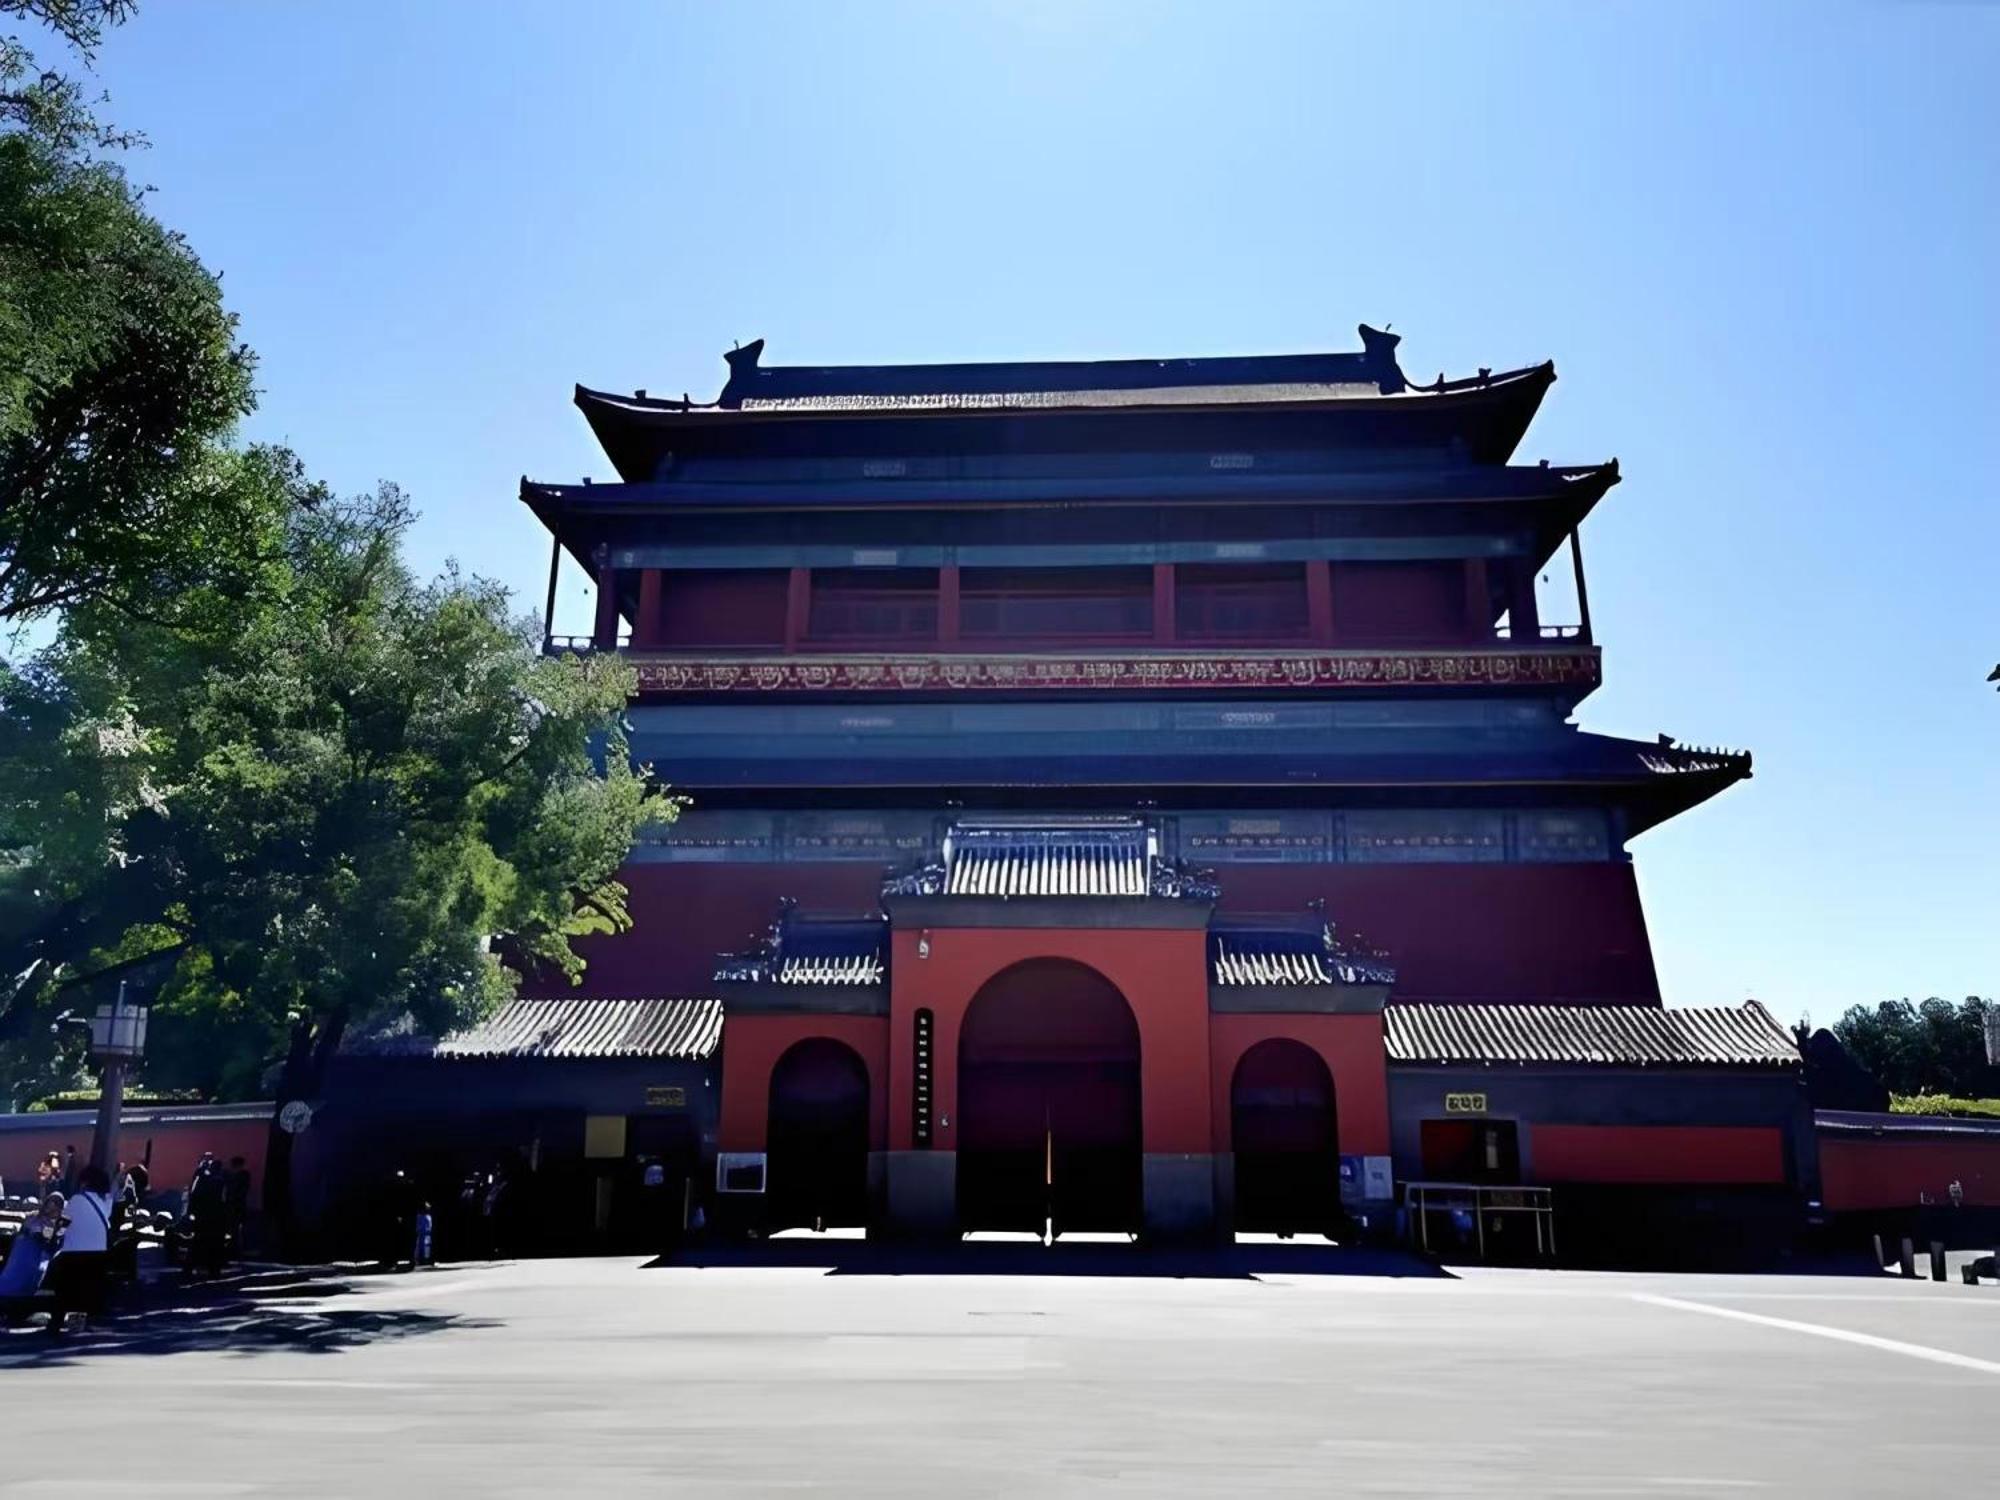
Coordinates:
column 742, row 361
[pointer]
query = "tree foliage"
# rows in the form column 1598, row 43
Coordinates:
column 344, row 795
column 119, row 365
column 1932, row 1047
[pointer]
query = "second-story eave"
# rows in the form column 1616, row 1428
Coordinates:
column 1571, row 488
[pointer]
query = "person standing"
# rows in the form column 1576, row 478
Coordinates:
column 48, row 1176
column 208, row 1218
column 76, row 1275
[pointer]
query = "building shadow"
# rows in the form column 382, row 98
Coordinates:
column 847, row 1257
column 288, row 1316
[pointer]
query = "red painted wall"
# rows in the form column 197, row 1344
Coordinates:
column 1859, row 1173
column 1500, row 932
column 726, row 607
column 177, row 1147
column 1162, row 975
column 684, row 914
column 1395, row 603
column 1636, row 1154
column 751, row 1047
column 1456, row 931
column 1351, row 1047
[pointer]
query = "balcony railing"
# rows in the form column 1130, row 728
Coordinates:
column 1544, row 632
column 582, row 645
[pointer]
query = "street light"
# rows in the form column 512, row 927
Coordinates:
column 117, row 1039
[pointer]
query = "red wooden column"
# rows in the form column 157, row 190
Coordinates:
column 1478, row 600
column 651, row 625
column 947, row 621
column 1163, row 604
column 1319, row 601
column 798, row 607
column 604, row 632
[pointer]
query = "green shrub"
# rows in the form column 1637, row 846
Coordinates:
column 1943, row 1104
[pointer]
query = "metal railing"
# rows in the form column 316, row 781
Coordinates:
column 1544, row 632
column 556, row 645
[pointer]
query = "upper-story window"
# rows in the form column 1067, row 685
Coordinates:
column 873, row 604
column 1241, row 602
column 1056, row 603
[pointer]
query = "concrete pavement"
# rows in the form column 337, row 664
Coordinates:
column 600, row 1377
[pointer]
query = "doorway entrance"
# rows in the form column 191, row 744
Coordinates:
column 817, row 1146
column 1286, row 1141
column 1048, row 1104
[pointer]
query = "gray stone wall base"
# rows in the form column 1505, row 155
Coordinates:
column 922, row 1196
column 1179, row 1198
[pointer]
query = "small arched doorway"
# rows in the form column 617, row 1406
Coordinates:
column 817, row 1146
column 1286, row 1141
column 1048, row 1103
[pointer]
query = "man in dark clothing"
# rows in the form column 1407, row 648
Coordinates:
column 208, row 1218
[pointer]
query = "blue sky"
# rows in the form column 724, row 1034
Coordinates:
column 1759, row 241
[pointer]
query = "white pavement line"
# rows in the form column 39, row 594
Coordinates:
column 1821, row 1330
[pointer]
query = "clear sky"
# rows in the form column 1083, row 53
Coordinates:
column 1759, row 240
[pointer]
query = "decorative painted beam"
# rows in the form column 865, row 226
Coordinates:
column 1105, row 672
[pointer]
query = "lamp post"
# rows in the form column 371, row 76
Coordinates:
column 117, row 1038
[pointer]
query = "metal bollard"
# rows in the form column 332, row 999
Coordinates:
column 1907, row 1261
column 1937, row 1260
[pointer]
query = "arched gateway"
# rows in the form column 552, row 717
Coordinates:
column 1287, row 1148
column 1048, row 1101
column 818, row 1137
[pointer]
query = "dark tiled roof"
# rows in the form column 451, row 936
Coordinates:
column 1287, row 951
column 1108, row 858
column 1588, row 1035
column 849, row 968
column 802, row 949
column 1851, row 1122
column 683, row 1029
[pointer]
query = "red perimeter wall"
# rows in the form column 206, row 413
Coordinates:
column 177, row 1146
column 1456, row 931
column 1858, row 1173
column 1666, row 1154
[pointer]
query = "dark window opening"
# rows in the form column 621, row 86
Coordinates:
column 1056, row 603
column 1224, row 602
column 873, row 604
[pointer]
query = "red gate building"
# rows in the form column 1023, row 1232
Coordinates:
column 1120, row 761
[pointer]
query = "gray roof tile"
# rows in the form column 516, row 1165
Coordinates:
column 1588, row 1035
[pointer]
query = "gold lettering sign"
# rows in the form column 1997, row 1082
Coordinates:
column 666, row 1097
column 1465, row 1104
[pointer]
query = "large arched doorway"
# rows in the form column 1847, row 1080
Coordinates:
column 1048, row 1103
column 1287, row 1146
column 817, row 1148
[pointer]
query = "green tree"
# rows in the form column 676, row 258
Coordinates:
column 119, row 366
column 347, row 795
column 1932, row 1047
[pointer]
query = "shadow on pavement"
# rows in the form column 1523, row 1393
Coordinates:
column 839, row 1257
column 285, row 1314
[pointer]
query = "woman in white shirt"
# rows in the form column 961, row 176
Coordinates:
column 76, row 1275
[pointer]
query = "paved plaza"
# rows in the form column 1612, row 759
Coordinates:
column 1307, row 1373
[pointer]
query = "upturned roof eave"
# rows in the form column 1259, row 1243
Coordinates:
column 688, row 413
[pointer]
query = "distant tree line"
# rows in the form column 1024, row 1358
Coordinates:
column 1923, row 1047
